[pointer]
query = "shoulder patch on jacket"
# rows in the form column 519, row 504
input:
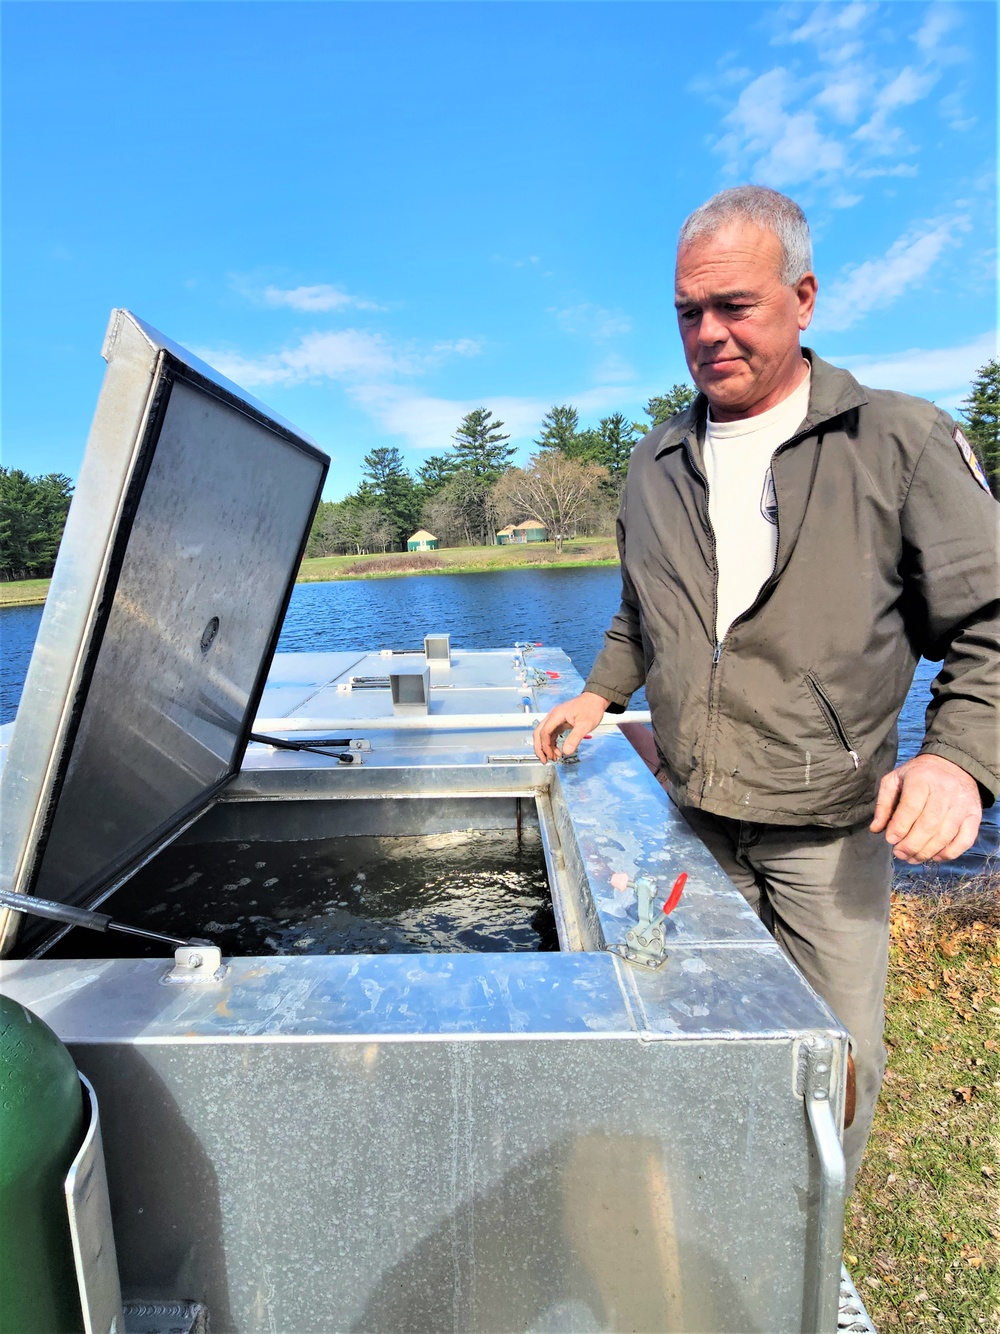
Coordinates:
column 971, row 462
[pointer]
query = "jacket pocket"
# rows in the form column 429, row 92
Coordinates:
column 833, row 720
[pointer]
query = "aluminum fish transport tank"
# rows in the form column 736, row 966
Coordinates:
column 423, row 1085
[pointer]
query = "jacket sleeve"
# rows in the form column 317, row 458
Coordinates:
column 951, row 536
column 620, row 668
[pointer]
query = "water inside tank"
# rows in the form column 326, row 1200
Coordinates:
column 473, row 890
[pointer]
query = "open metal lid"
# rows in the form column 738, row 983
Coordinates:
column 179, row 556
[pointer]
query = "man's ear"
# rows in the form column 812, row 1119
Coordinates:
column 805, row 293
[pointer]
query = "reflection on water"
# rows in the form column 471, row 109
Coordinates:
column 570, row 608
column 365, row 894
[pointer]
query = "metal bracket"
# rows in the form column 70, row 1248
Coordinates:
column 195, row 963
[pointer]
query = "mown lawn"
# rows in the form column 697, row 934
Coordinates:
column 461, row 560
column 453, row 560
column 23, row 592
column 923, row 1230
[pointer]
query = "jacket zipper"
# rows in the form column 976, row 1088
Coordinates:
column 833, row 718
column 717, row 651
column 764, row 589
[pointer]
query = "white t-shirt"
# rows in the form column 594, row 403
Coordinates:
column 741, row 502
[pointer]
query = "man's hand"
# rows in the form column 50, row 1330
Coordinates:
column 930, row 810
column 582, row 714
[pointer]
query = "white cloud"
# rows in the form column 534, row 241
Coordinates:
column 313, row 299
column 843, row 97
column 461, row 347
column 946, row 371
column 351, row 356
column 941, row 19
column 344, row 354
column 784, row 147
column 592, row 321
column 838, row 111
column 614, row 369
column 833, row 28
column 321, row 296
column 952, row 108
column 907, row 87
column 877, row 283
column 426, row 422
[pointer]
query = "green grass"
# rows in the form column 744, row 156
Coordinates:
column 23, row 593
column 923, row 1229
column 582, row 551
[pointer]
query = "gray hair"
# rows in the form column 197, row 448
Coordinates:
column 763, row 208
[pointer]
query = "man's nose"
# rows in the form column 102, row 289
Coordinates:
column 711, row 329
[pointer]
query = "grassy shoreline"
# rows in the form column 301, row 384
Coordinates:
column 922, row 1238
column 585, row 552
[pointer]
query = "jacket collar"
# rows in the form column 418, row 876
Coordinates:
column 833, row 392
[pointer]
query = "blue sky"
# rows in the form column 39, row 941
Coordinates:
column 377, row 216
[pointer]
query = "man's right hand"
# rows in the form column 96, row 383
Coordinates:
column 581, row 714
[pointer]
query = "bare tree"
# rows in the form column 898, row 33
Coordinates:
column 560, row 492
column 462, row 512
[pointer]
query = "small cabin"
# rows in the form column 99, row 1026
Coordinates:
column 422, row 540
column 531, row 530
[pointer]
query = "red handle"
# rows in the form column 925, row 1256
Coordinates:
column 675, row 894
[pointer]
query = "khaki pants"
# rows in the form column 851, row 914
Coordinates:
column 824, row 896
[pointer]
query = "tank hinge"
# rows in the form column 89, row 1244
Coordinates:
column 195, row 963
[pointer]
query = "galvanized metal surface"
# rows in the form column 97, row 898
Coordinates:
column 173, row 575
column 91, row 1232
column 432, row 1186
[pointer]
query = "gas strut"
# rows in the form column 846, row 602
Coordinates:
column 93, row 921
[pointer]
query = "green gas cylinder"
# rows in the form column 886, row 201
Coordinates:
column 41, row 1128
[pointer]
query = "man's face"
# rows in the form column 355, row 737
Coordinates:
column 739, row 322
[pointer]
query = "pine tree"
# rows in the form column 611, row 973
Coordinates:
column 981, row 419
column 480, row 447
column 559, row 427
column 434, row 473
column 32, row 516
column 617, row 440
column 387, row 486
column 662, row 407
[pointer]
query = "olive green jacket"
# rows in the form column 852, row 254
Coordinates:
column 887, row 550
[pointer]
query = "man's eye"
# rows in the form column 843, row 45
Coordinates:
column 689, row 315
column 735, row 308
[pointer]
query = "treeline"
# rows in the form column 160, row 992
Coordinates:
column 32, row 515
column 465, row 495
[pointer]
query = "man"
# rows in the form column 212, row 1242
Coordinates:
column 790, row 545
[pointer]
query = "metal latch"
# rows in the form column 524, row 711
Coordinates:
column 646, row 943
column 196, row 963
